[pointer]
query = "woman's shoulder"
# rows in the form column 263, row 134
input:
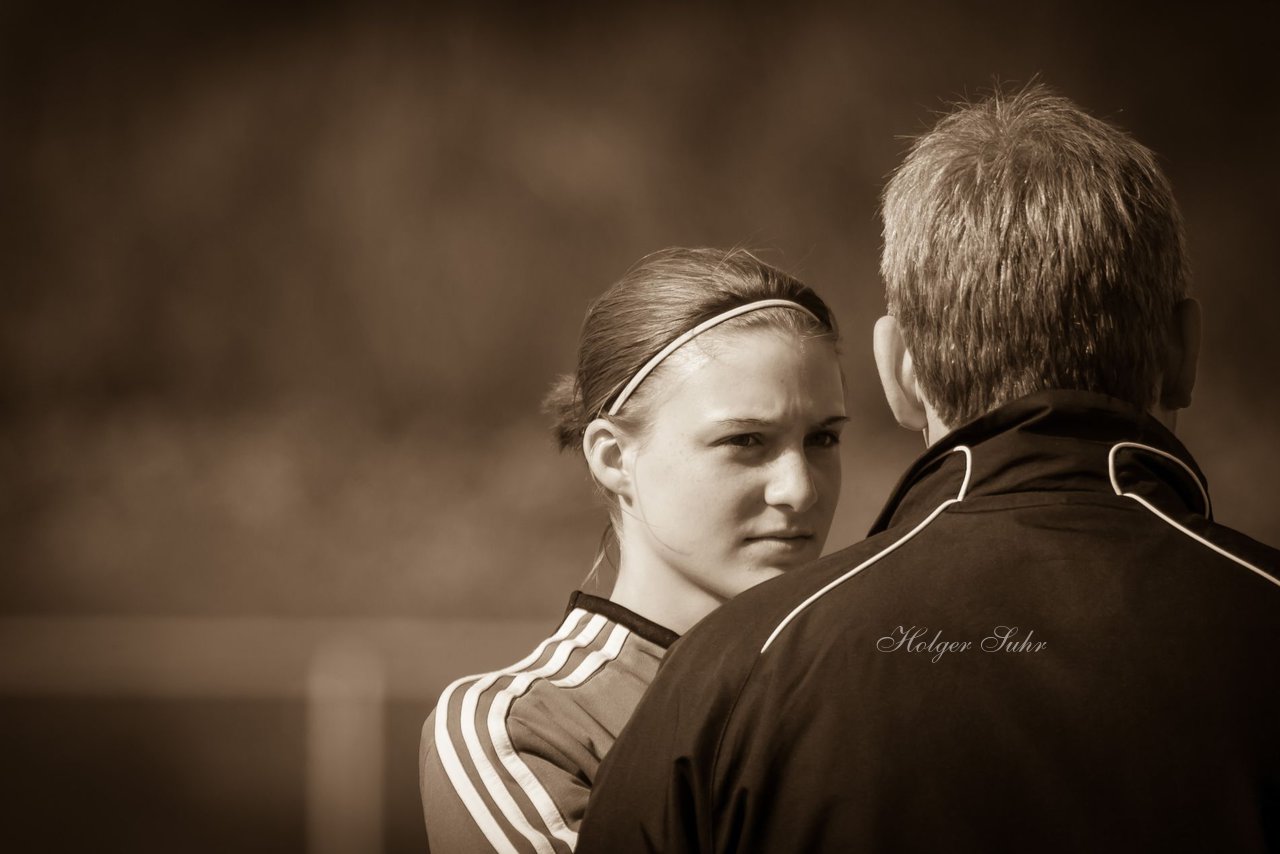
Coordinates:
column 534, row 733
column 594, row 666
column 483, row 787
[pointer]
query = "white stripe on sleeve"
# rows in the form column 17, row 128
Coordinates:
column 489, row 775
column 449, row 758
column 511, row 760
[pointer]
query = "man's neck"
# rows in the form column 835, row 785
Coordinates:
column 936, row 429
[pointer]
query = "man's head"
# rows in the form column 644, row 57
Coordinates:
column 1029, row 246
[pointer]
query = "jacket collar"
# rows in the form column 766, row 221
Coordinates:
column 645, row 628
column 1054, row 441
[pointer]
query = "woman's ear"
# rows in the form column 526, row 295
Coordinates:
column 898, row 375
column 603, row 444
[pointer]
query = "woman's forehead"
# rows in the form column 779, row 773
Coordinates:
column 754, row 373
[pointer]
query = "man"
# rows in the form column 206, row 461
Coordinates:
column 1046, row 643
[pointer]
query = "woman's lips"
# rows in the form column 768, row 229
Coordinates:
column 783, row 541
column 783, row 535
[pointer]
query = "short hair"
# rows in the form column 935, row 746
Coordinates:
column 662, row 296
column 1030, row 246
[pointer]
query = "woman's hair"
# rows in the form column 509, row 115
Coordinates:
column 663, row 296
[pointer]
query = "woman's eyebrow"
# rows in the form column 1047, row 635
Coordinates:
column 748, row 422
column 765, row 422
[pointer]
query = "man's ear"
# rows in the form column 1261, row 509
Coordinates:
column 1182, row 356
column 898, row 375
column 603, row 444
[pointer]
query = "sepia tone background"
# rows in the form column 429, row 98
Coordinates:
column 283, row 289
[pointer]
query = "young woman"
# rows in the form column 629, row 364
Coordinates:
column 708, row 402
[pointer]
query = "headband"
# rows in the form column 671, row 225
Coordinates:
column 702, row 327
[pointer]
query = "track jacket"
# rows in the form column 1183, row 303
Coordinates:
column 1045, row 645
column 508, row 757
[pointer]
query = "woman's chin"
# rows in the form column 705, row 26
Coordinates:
column 757, row 573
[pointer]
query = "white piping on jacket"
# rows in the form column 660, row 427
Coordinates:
column 964, row 488
column 1115, row 484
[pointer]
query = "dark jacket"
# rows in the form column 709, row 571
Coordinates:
column 1026, row 654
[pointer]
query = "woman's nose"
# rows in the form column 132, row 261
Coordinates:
column 790, row 483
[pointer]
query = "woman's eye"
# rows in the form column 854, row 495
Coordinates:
column 743, row 440
column 825, row 439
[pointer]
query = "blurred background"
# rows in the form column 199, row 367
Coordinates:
column 283, row 288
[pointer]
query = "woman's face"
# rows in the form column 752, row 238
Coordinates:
column 736, row 476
